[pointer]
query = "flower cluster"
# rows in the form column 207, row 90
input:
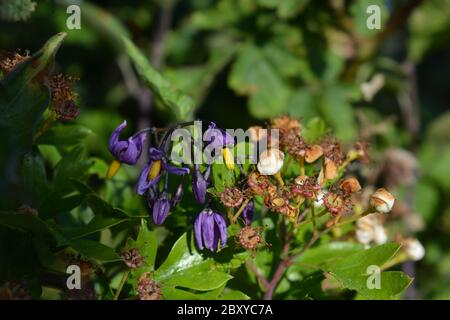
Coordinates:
column 315, row 181
column 210, row 227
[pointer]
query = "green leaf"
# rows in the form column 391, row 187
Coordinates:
column 303, row 104
column 234, row 295
column 328, row 252
column 64, row 135
column 23, row 100
column 94, row 250
column 352, row 272
column 171, row 293
column 72, row 166
column 252, row 75
column 428, row 27
column 314, row 130
column 35, row 176
column 290, row 8
column 97, row 224
column 147, row 244
column 178, row 103
column 338, row 112
column 185, row 267
column 54, row 204
column 26, row 222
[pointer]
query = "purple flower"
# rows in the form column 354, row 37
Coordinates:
column 152, row 172
column 217, row 138
column 161, row 208
column 209, row 228
column 126, row 151
column 247, row 213
column 200, row 183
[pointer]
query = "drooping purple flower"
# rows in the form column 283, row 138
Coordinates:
column 200, row 183
column 210, row 228
column 126, row 151
column 161, row 208
column 152, row 172
column 247, row 213
column 218, row 138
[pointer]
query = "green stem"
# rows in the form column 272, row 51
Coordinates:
column 238, row 213
column 302, row 166
column 122, row 283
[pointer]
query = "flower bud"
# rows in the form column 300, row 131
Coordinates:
column 382, row 201
column 414, row 249
column 270, row 161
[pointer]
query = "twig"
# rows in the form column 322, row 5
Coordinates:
column 262, row 280
column 122, row 283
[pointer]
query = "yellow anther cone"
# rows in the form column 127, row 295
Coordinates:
column 154, row 171
column 113, row 169
column 228, row 158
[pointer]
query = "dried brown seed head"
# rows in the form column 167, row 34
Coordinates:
column 147, row 288
column 286, row 123
column 250, row 237
column 232, row 197
column 63, row 97
column 133, row 258
column 8, row 63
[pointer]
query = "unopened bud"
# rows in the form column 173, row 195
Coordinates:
column 414, row 249
column 382, row 200
column 270, row 161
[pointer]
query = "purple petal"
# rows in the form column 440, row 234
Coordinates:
column 208, row 231
column 199, row 186
column 198, row 230
column 155, row 154
column 175, row 170
column 247, row 213
column 143, row 183
column 115, row 135
column 161, row 209
column 222, row 226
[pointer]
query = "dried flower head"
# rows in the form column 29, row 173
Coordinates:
column 133, row 258
column 147, row 288
column 63, row 97
column 232, row 197
column 258, row 183
column 305, row 186
column 250, row 237
column 9, row 62
column 286, row 123
column 336, row 203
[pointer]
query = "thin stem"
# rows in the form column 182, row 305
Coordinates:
column 122, row 283
column 262, row 280
column 238, row 213
column 302, row 166
column 313, row 217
